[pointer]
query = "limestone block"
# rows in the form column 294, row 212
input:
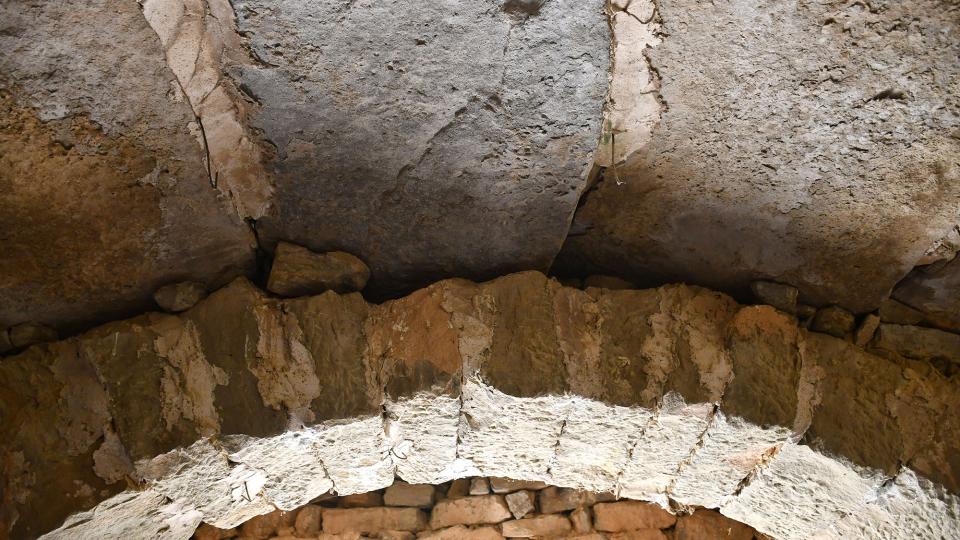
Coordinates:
column 404, row 494
column 372, row 520
column 521, row 503
column 628, row 515
column 485, row 509
column 548, row 526
column 297, row 271
column 181, row 296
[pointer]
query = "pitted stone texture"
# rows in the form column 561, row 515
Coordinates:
column 909, row 507
column 800, row 493
column 422, row 433
column 508, row 436
column 224, row 494
column 663, row 446
column 355, row 455
column 96, row 125
column 595, row 444
column 295, row 474
column 131, row 514
column 824, row 168
column 934, row 290
column 728, row 453
column 456, row 122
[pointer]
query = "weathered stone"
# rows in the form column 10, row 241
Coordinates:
column 209, row 532
column 833, row 320
column 107, row 195
column 805, row 312
column 362, row 500
column 479, row 486
column 309, row 520
column 710, row 525
column 712, row 199
column 554, row 500
column 458, row 488
column 297, row 271
column 261, row 527
column 396, row 535
column 178, row 297
column 404, row 494
column 918, row 342
column 933, row 289
column 866, row 330
column 629, row 515
column 372, row 520
column 582, row 520
column 507, row 485
column 486, row 509
column 895, row 312
column 640, row 534
column 607, row 282
column 521, row 503
column 778, row 295
column 5, row 343
column 26, row 334
column 462, row 533
column 540, row 526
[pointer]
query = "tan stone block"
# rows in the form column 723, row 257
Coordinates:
column 298, row 271
column 590, row 536
column 345, row 536
column 459, row 488
column 462, row 533
column 507, row 485
column 581, row 520
column 372, row 520
column 638, row 534
column 309, row 520
column 479, row 486
column 404, row 494
column 548, row 526
column 209, row 532
column 521, row 503
column 630, row 515
column 262, row 527
column 362, row 500
column 710, row 525
column 554, row 500
column 396, row 535
column 487, row 509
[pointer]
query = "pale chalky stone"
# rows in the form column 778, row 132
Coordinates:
column 508, row 485
column 521, row 503
column 540, row 526
column 487, row 509
column 404, row 494
column 629, row 515
column 372, row 520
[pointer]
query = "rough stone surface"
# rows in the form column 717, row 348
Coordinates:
column 469, row 511
column 179, row 297
column 536, row 527
column 457, row 123
column 866, row 330
column 824, row 168
column 309, row 520
column 297, row 271
column 26, row 334
column 778, row 295
column 404, row 494
column 933, row 291
column 833, row 320
column 628, row 515
column 710, row 525
column 521, row 503
column 245, row 426
column 918, row 342
column 106, row 195
column 508, row 485
column 372, row 520
column 5, row 343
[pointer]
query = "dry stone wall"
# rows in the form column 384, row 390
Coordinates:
column 481, row 509
column 677, row 396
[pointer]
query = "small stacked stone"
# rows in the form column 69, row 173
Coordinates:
column 482, row 509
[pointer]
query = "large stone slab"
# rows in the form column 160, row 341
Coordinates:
column 429, row 139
